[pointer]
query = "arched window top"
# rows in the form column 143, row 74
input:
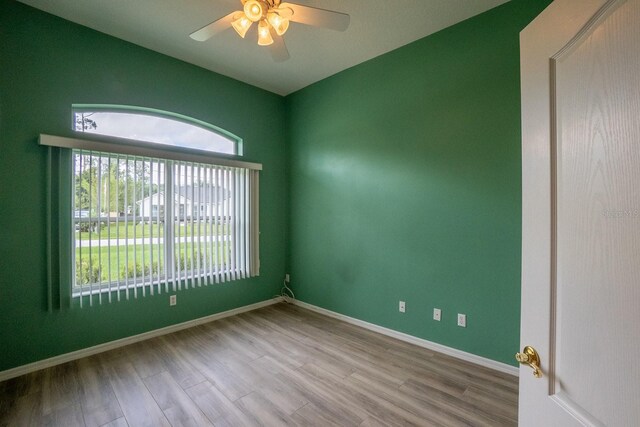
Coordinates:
column 154, row 126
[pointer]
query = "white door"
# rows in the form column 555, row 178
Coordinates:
column 581, row 214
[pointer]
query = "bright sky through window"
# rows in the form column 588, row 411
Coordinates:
column 150, row 128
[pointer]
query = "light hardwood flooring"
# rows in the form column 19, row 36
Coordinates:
column 280, row 365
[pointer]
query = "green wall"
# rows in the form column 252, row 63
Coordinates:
column 396, row 179
column 47, row 64
column 404, row 177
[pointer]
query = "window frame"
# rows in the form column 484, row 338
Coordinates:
column 116, row 146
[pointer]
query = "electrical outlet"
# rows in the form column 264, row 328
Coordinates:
column 401, row 307
column 462, row 320
column 287, row 278
column 437, row 314
column 173, row 300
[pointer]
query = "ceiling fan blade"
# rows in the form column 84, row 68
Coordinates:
column 278, row 48
column 210, row 30
column 318, row 17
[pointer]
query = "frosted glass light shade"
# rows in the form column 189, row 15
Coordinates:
column 254, row 10
column 280, row 24
column 242, row 25
column 264, row 34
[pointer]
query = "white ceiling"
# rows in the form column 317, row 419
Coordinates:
column 377, row 27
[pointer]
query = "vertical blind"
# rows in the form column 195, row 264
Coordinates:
column 146, row 225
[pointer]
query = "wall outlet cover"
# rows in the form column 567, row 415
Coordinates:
column 401, row 307
column 173, row 300
column 462, row 320
column 437, row 314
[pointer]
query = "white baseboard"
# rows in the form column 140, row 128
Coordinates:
column 78, row 354
column 469, row 357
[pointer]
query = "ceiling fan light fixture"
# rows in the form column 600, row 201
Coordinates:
column 255, row 10
column 242, row 25
column 279, row 24
column 264, row 34
column 273, row 18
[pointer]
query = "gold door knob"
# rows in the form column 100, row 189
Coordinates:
column 529, row 356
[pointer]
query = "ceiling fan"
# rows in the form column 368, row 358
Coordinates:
column 273, row 17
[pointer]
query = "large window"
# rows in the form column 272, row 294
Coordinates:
column 148, row 220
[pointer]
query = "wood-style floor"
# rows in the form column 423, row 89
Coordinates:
column 280, row 365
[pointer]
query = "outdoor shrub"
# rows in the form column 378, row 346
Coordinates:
column 180, row 260
column 132, row 270
column 87, row 272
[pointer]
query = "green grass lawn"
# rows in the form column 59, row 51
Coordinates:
column 143, row 230
column 116, row 260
